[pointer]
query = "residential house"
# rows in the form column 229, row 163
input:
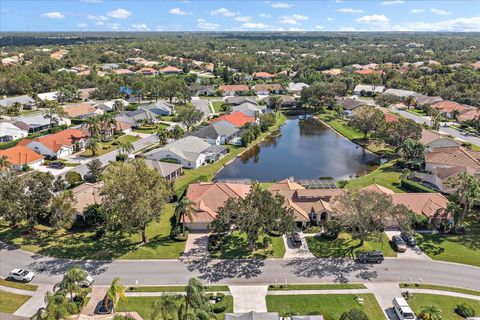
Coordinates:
column 20, row 156
column 439, row 176
column 108, row 106
column 25, row 102
column 140, row 115
column 86, row 195
column 159, row 108
column 39, row 122
column 221, row 132
column 308, row 205
column 296, row 88
column 263, row 75
column 207, row 198
column 85, row 93
column 423, row 101
column 202, row 91
column 167, row 170
column 367, row 90
column 252, row 110
column 125, row 124
column 471, row 115
column 203, row 106
column 399, row 93
column 190, row 152
column 170, row 70
column 123, row 72
column 448, row 157
column 349, row 105
column 448, row 108
column 82, row 111
column 287, row 102
column 9, row 132
column 237, row 100
column 235, row 89
column 267, row 88
column 432, row 140
column 148, row 71
column 109, row 66
column 60, row 144
column 238, row 119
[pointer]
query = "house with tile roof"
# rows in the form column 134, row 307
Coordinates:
column 60, row 144
column 250, row 109
column 238, row 119
column 470, row 115
column 367, row 90
column 20, row 156
column 296, row 88
column 207, row 198
column 82, row 111
column 449, row 157
column 263, row 75
column 86, row 194
column 220, row 132
column 170, row 70
column 447, row 108
column 267, row 88
column 148, row 71
column 432, row 140
column 234, row 89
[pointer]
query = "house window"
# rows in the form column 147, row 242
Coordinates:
column 323, row 216
column 314, row 216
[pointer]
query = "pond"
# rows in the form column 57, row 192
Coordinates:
column 303, row 149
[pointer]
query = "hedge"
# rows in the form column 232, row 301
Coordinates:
column 415, row 186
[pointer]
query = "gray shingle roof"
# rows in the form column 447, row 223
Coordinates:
column 163, row 168
column 188, row 148
column 401, row 93
column 252, row 315
column 24, row 100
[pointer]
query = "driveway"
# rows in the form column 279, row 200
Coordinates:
column 411, row 253
column 249, row 298
column 196, row 246
column 293, row 251
column 384, row 293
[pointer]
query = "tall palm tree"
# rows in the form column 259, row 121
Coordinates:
column 165, row 308
column 126, row 147
column 71, row 280
column 467, row 188
column 93, row 146
column 431, row 312
column 115, row 292
column 194, row 294
column 185, row 210
column 4, row 163
column 57, row 307
column 455, row 113
column 92, row 124
column 163, row 136
column 54, row 110
column 118, row 106
column 108, row 124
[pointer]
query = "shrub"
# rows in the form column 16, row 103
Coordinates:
column 94, row 215
column 312, row 229
column 73, row 178
column 219, row 309
column 414, row 186
column 354, row 314
column 332, row 229
column 120, row 157
column 266, row 242
column 420, row 221
column 464, row 310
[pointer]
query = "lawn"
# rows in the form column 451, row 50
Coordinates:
column 327, row 286
column 217, row 106
column 143, row 305
column 387, row 175
column 462, row 248
column 149, row 129
column 331, row 306
column 10, row 302
column 445, row 303
column 235, row 245
column 106, row 147
column 417, row 112
column 84, row 245
column 18, row 285
column 437, row 287
column 346, row 247
column 207, row 172
column 174, row 289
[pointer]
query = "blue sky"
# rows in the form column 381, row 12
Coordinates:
column 246, row 15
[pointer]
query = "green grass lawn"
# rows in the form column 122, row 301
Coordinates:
column 386, row 175
column 346, row 246
column 217, row 106
column 84, row 245
column 143, row 305
column 235, row 245
column 331, row 306
column 454, row 248
column 417, row 112
column 18, row 285
column 445, row 303
column 106, row 147
column 173, row 289
column 10, row 302
column 149, row 129
column 327, row 286
column 437, row 287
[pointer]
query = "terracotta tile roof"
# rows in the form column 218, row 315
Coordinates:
column 207, row 198
column 85, row 195
column 427, row 204
column 123, row 71
column 267, row 86
column 287, row 184
column 238, row 119
column 170, row 69
column 390, row 117
column 377, row 188
column 447, row 106
column 429, row 136
column 79, row 110
column 454, row 156
column 234, row 88
column 147, row 70
column 445, row 173
column 367, row 71
column 469, row 115
column 263, row 75
column 20, row 155
column 63, row 138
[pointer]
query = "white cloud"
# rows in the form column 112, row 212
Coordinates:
column 264, row 15
column 348, row 29
column 82, row 25
column 319, row 27
column 140, row 27
column 242, row 18
column 97, row 18
column 99, row 23
column 296, row 29
column 388, row 3
column 350, row 10
column 460, row 24
column 204, row 25
column 330, row 19
column 293, row 19
column 281, row 5
column 417, row 11
column 373, row 19
column 253, row 25
column 439, row 11
column 114, row 26
column 119, row 13
column 177, row 11
column 53, row 15
column 224, row 12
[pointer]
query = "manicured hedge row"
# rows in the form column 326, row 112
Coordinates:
column 415, row 186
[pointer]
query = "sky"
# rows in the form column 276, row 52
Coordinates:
column 241, row 15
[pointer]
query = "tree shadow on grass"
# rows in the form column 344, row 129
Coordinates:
column 328, row 248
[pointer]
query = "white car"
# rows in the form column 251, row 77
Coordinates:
column 87, row 282
column 21, row 275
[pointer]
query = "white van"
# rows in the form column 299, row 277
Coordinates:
column 402, row 309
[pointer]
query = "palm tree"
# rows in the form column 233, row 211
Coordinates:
column 108, row 124
column 467, row 189
column 115, row 292
column 455, row 113
column 194, row 294
column 57, row 307
column 118, row 106
column 431, row 312
column 165, row 308
column 92, row 124
column 126, row 147
column 163, row 136
column 71, row 280
column 409, row 101
column 54, row 110
column 4, row 163
column 185, row 209
column 93, row 146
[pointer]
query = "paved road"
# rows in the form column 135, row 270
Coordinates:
column 297, row 270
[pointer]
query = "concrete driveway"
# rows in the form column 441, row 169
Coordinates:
column 411, row 253
column 196, row 246
column 293, row 251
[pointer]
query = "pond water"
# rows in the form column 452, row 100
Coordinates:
column 304, row 149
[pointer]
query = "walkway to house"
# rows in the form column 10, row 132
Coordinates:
column 98, row 293
column 36, row 302
column 249, row 298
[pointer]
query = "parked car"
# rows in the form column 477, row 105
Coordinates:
column 399, row 244
column 296, row 239
column 409, row 239
column 87, row 282
column 402, row 309
column 56, row 165
column 21, row 275
column 370, row 256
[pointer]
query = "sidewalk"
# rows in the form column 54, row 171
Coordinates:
column 300, row 292
column 442, row 293
column 36, row 302
column 17, row 291
column 249, row 298
column 384, row 293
